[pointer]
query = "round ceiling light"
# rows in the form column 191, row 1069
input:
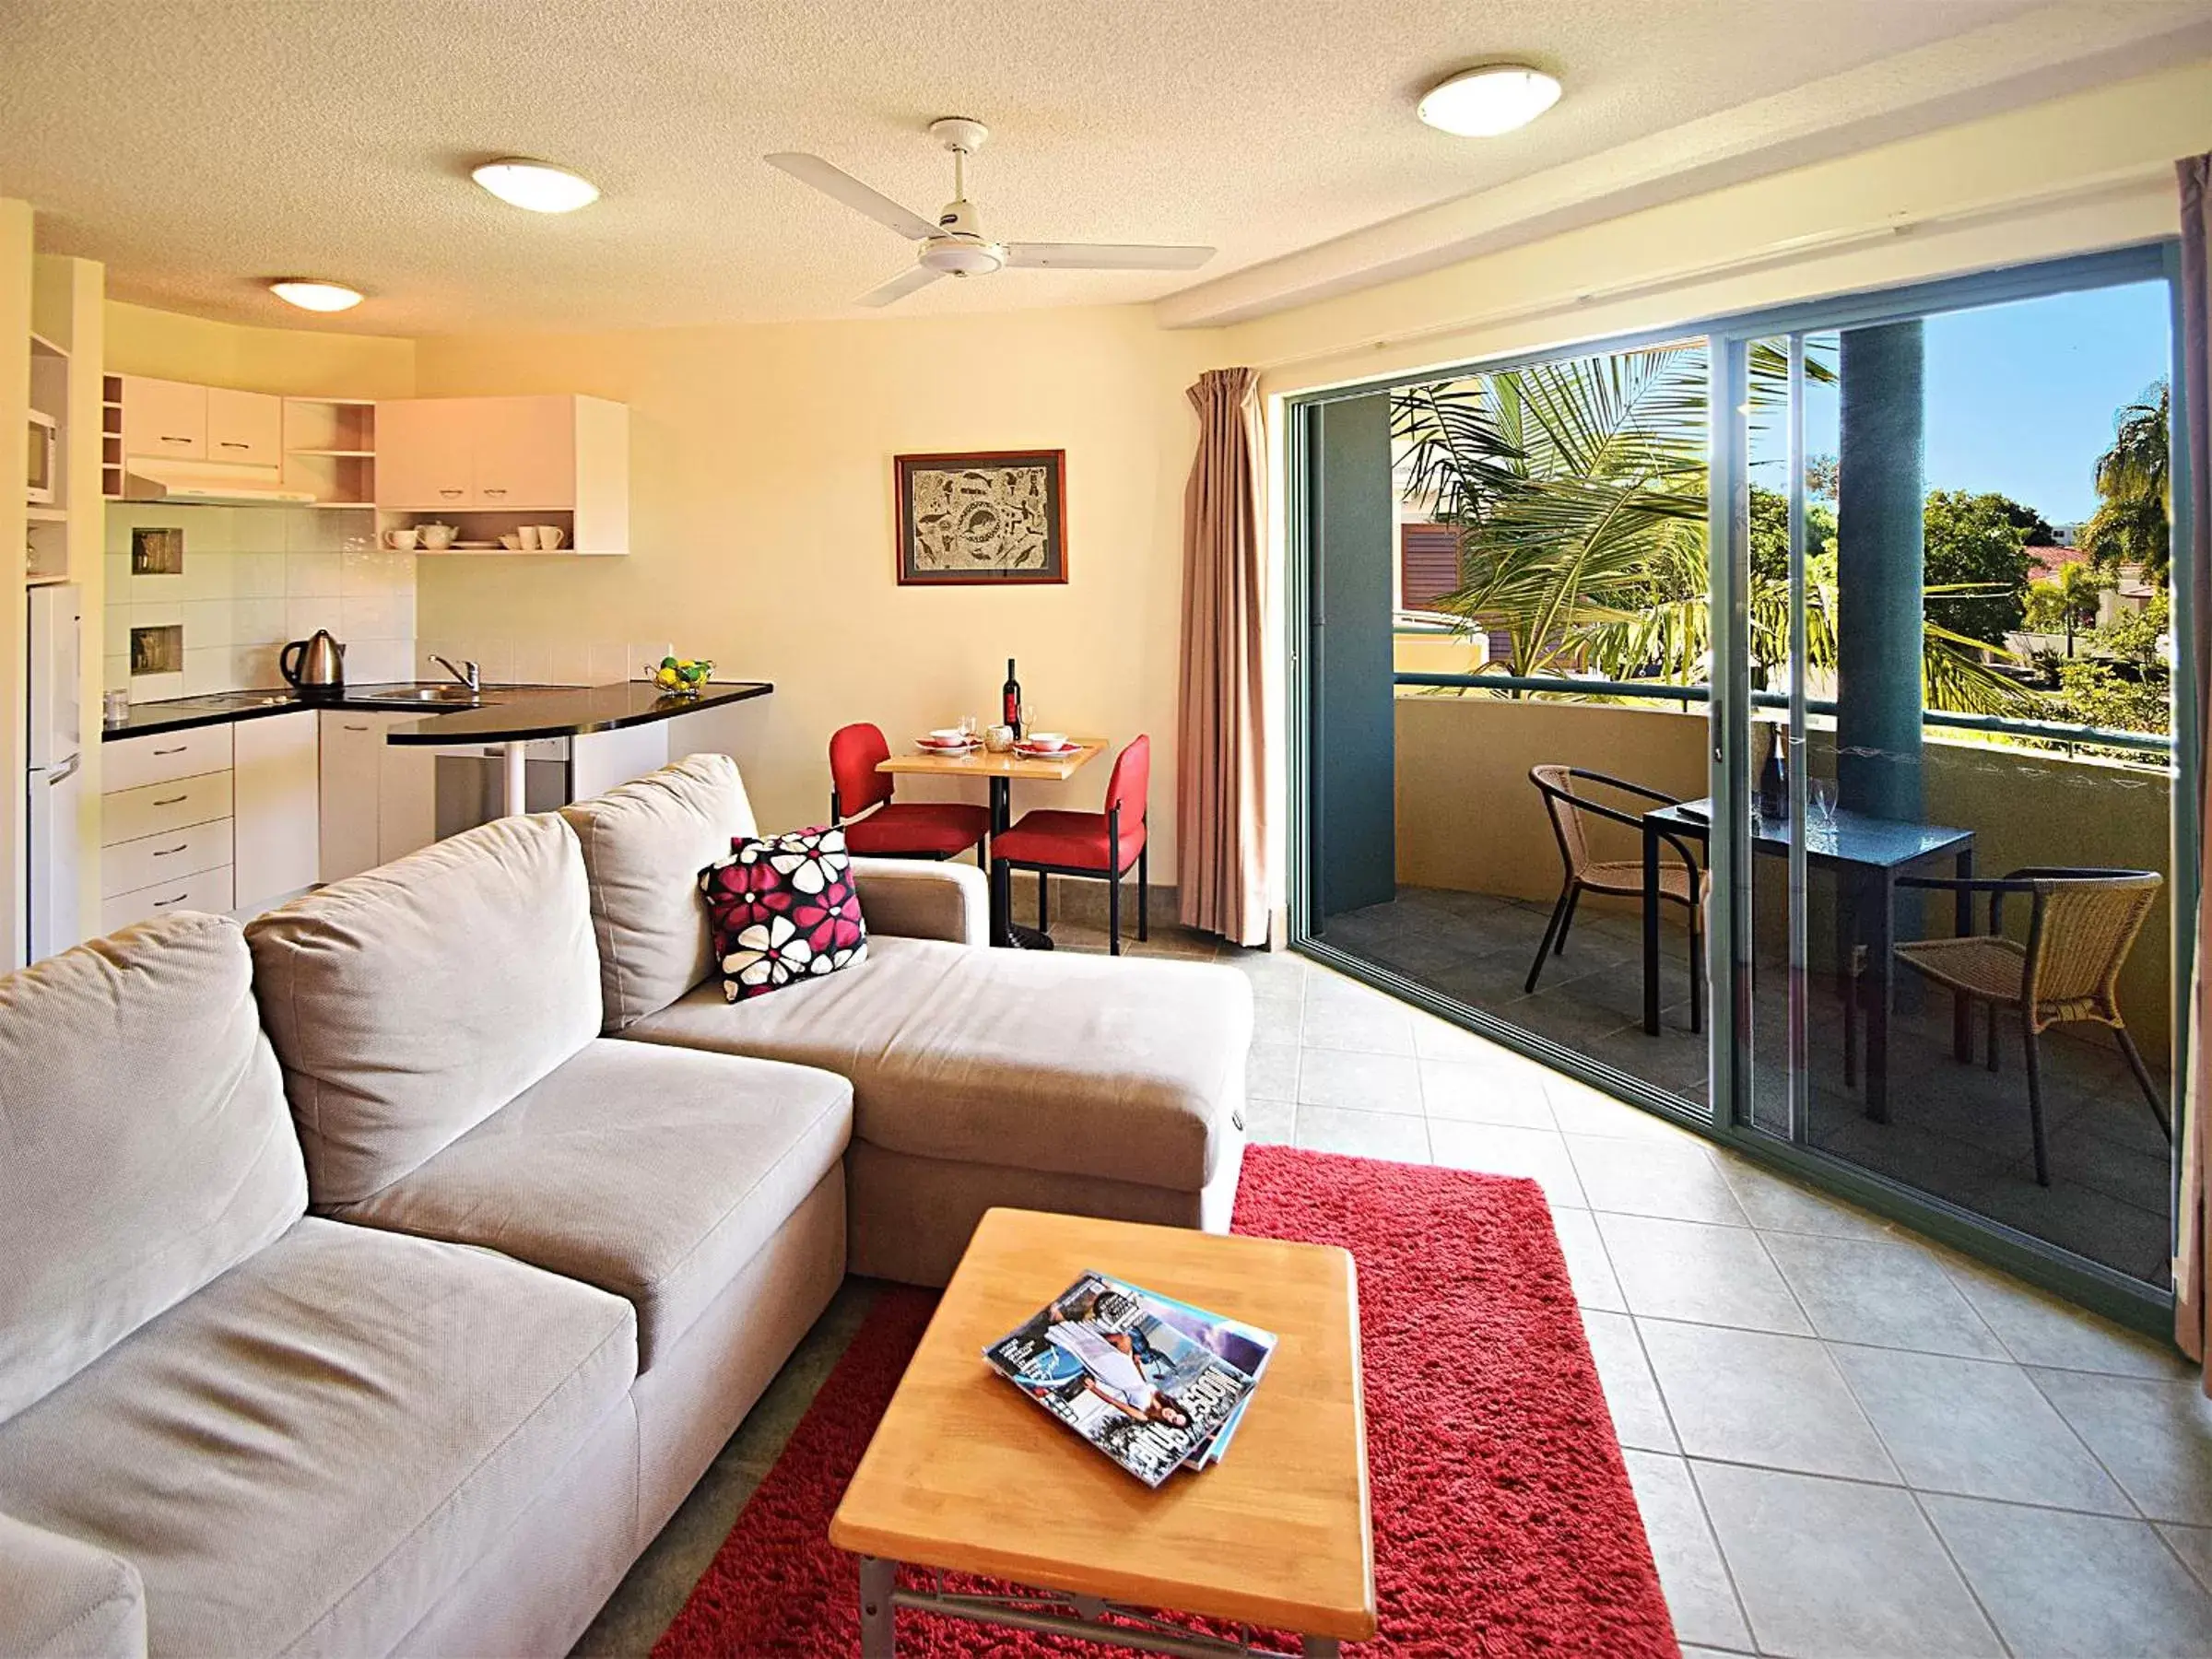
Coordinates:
column 1482, row 103
column 315, row 295
column 537, row 185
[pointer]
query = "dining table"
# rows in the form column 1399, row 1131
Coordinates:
column 1868, row 853
column 998, row 771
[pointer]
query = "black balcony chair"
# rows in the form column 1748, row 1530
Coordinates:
column 1680, row 882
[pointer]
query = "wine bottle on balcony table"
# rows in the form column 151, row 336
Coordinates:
column 1774, row 779
column 1010, row 700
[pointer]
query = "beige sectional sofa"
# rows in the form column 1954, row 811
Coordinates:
column 379, row 1281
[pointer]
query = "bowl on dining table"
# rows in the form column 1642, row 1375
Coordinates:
column 1047, row 741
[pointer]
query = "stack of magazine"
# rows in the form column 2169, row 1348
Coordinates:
column 1153, row 1382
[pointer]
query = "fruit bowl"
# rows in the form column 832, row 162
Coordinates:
column 683, row 676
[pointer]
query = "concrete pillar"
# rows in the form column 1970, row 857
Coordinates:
column 1879, row 560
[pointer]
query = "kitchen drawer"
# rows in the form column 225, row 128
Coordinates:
column 159, row 757
column 209, row 890
column 159, row 808
column 153, row 859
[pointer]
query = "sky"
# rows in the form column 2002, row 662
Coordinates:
column 2022, row 397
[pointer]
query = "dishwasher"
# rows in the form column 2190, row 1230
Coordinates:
column 472, row 781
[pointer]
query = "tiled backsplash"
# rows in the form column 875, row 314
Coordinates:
column 253, row 578
column 536, row 663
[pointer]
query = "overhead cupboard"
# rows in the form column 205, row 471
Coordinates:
column 488, row 467
column 491, row 465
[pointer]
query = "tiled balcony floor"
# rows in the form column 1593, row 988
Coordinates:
column 1846, row 1443
column 1957, row 1131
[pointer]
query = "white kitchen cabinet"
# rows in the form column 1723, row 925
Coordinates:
column 525, row 453
column 496, row 463
column 164, row 417
column 245, row 427
column 276, row 808
column 425, row 453
column 378, row 801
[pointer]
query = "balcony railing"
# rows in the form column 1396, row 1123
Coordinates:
column 2064, row 734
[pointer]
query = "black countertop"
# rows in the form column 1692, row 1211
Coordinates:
column 574, row 713
column 504, row 712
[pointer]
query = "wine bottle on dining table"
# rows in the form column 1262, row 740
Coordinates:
column 1010, row 700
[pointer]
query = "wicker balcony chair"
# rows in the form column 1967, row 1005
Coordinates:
column 1680, row 882
column 2081, row 925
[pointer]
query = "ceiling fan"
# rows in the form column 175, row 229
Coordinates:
column 954, row 246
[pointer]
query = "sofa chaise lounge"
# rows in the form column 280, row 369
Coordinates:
column 359, row 1294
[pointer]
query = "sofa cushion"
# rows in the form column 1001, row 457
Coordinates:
column 783, row 908
column 309, row 1453
column 143, row 1142
column 1087, row 1065
column 644, row 844
column 410, row 1002
column 61, row 1599
column 655, row 1173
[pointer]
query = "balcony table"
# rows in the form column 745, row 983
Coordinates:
column 1872, row 852
column 999, row 772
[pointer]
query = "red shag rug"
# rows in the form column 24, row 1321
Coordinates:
column 1503, row 1520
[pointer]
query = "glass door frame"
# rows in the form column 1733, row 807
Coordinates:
column 1728, row 338
column 1730, row 1069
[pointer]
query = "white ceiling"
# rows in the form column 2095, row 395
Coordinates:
column 197, row 146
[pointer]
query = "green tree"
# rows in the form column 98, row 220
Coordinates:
column 2065, row 601
column 2131, row 525
column 1771, row 532
column 1976, row 564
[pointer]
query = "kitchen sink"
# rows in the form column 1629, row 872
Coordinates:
column 448, row 695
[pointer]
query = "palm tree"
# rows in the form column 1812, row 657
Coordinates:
column 1578, row 490
column 2132, row 524
column 2065, row 599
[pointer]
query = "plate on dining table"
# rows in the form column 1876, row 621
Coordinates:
column 1029, row 752
column 930, row 745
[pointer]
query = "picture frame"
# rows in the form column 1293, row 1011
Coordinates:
column 980, row 518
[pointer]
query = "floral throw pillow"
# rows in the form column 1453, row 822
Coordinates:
column 784, row 908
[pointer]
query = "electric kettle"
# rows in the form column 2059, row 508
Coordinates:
column 317, row 664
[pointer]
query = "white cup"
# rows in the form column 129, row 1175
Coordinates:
column 402, row 541
column 550, row 536
column 529, row 534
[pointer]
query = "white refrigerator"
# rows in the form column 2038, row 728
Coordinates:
column 56, row 780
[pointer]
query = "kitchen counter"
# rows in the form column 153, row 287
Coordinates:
column 574, row 712
column 503, row 713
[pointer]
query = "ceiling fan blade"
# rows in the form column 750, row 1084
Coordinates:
column 1106, row 257
column 900, row 286
column 835, row 182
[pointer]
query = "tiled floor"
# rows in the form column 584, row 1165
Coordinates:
column 1957, row 1131
column 1844, row 1441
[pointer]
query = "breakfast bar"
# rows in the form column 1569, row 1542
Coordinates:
column 512, row 722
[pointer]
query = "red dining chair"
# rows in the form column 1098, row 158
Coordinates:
column 894, row 829
column 1102, row 845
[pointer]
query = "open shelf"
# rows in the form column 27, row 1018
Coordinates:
column 330, row 449
column 347, row 453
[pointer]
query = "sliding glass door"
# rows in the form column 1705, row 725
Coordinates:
column 1947, row 723
column 1774, row 723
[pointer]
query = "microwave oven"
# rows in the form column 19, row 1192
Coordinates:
column 41, row 460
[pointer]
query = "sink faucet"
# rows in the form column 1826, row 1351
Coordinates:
column 468, row 673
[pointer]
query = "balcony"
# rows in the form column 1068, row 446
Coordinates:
column 1479, row 871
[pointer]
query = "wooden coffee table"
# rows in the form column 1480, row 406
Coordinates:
column 965, row 1475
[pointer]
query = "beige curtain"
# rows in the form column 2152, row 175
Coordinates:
column 2193, row 1261
column 1220, row 768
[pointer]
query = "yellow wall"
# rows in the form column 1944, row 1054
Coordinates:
column 316, row 362
column 761, row 526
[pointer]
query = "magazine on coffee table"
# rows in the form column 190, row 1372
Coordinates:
column 1106, row 1361
column 1245, row 1347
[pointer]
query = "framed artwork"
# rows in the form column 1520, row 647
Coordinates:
column 995, row 516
